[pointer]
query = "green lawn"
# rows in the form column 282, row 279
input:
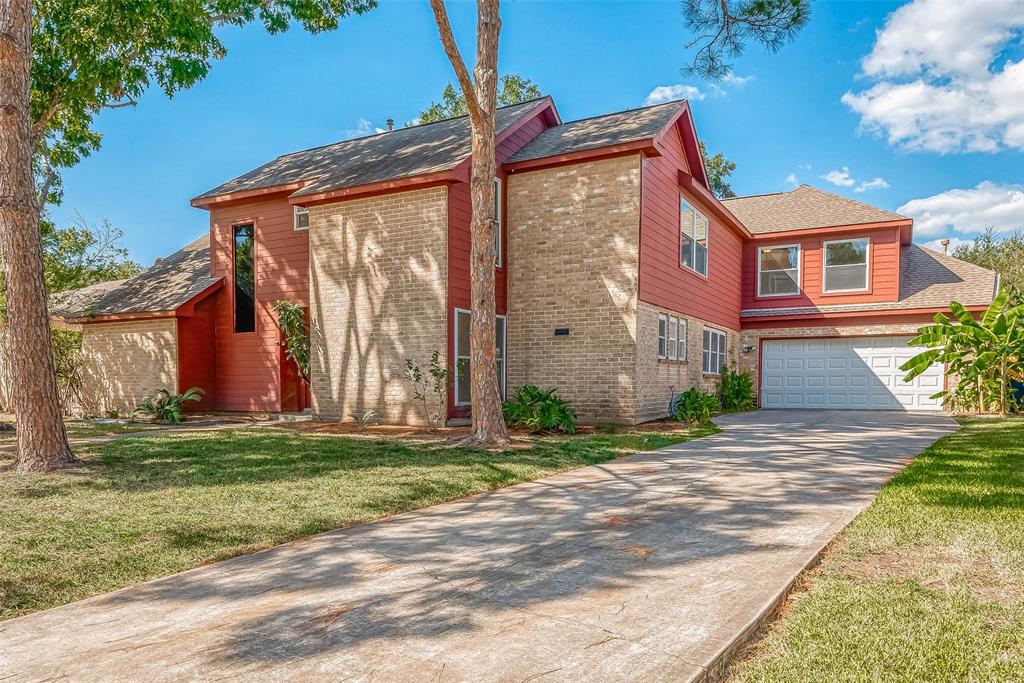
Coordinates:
column 926, row 585
column 146, row 507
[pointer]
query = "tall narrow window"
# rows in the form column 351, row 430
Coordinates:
column 693, row 238
column 662, row 336
column 497, row 222
column 245, row 278
column 846, row 265
column 778, row 270
column 462, row 373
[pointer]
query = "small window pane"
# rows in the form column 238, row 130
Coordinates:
column 686, row 250
column 673, row 332
column 846, row 253
column 700, row 259
column 462, row 390
column 662, row 335
column 845, row 277
column 681, row 348
column 462, row 334
column 301, row 217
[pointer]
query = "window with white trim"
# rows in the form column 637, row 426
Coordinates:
column 497, row 222
column 778, row 270
column 693, row 238
column 714, row 351
column 671, row 338
column 462, row 373
column 302, row 218
column 846, row 265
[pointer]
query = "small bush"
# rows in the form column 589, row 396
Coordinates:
column 696, row 407
column 736, row 392
column 540, row 410
column 165, row 406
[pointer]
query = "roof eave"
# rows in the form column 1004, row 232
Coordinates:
column 902, row 224
column 643, row 146
column 383, row 187
column 206, row 202
column 184, row 309
column 856, row 313
column 686, row 180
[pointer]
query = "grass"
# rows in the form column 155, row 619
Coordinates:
column 926, row 585
column 147, row 507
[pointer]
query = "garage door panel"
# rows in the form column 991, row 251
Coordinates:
column 847, row 373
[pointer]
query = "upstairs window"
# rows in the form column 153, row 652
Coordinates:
column 714, row 351
column 846, row 265
column 245, row 278
column 778, row 270
column 497, row 222
column 693, row 238
column 302, row 218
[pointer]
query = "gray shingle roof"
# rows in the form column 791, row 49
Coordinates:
column 803, row 208
column 402, row 153
column 599, row 131
column 170, row 283
column 928, row 279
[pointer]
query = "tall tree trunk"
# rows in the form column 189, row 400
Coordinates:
column 42, row 442
column 481, row 95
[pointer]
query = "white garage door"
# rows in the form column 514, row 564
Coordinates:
column 855, row 373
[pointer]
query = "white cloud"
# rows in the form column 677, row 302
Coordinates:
column 667, row 93
column 791, row 179
column 939, row 87
column 876, row 184
column 841, row 177
column 363, row 128
column 738, row 81
column 968, row 211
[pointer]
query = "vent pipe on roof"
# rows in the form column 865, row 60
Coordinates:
column 945, row 246
column 391, row 124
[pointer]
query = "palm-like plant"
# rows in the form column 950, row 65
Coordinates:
column 984, row 354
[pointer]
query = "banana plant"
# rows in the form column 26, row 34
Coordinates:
column 984, row 354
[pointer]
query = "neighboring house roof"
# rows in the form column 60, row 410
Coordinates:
column 928, row 279
column 803, row 208
column 598, row 131
column 168, row 285
column 402, row 153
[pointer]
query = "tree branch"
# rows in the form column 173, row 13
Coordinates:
column 119, row 105
column 38, row 129
column 444, row 28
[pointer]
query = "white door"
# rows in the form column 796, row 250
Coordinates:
column 853, row 373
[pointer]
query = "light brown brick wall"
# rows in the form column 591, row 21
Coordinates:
column 124, row 362
column 377, row 296
column 573, row 248
column 658, row 379
column 749, row 361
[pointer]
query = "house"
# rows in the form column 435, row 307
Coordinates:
column 620, row 279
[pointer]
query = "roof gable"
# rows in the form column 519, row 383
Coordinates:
column 402, row 153
column 804, row 208
column 171, row 283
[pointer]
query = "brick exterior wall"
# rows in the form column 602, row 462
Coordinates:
column 573, row 236
column 749, row 361
column 658, row 379
column 124, row 362
column 377, row 297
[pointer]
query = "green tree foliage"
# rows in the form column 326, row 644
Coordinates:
column 88, row 55
column 1001, row 253
column 718, row 169
column 512, row 89
column 984, row 355
column 292, row 320
column 722, row 29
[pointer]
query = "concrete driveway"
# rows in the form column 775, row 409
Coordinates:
column 646, row 568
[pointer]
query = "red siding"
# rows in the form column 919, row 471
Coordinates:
column 883, row 271
column 663, row 281
column 248, row 365
column 197, row 363
column 460, row 212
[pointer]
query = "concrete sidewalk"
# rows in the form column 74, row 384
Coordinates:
column 645, row 568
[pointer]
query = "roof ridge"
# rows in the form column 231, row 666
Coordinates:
column 751, row 196
column 403, row 128
column 615, row 113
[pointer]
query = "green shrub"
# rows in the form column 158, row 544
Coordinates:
column 540, row 410
column 165, row 406
column 696, row 407
column 736, row 392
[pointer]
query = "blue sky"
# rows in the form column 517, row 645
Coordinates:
column 859, row 96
